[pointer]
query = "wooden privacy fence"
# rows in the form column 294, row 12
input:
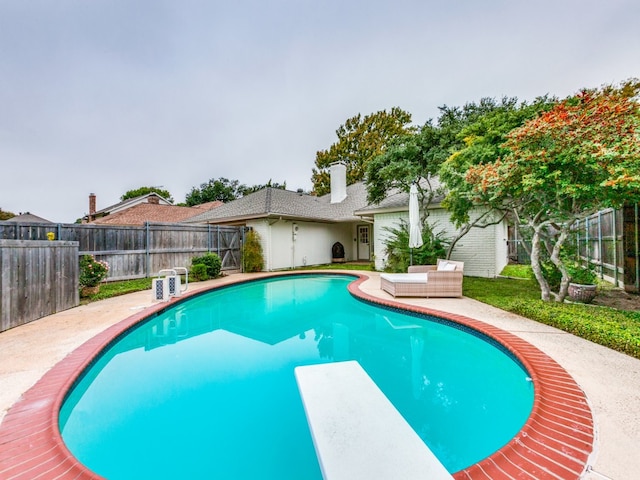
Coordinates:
column 139, row 251
column 37, row 278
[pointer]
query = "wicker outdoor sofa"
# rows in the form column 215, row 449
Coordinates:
column 441, row 280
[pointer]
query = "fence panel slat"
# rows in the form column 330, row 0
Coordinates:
column 139, row 251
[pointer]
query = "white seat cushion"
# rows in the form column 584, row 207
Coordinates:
column 405, row 277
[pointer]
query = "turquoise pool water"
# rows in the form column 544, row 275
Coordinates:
column 206, row 389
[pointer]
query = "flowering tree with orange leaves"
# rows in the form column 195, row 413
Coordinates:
column 581, row 156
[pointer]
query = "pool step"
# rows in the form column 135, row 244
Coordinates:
column 358, row 434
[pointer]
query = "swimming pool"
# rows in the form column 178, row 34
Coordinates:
column 230, row 353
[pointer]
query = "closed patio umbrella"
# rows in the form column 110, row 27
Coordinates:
column 415, row 230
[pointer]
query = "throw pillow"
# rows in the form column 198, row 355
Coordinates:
column 442, row 266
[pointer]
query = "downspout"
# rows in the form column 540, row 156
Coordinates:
column 269, row 266
column 294, row 235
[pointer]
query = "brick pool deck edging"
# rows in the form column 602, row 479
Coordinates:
column 555, row 442
column 557, row 439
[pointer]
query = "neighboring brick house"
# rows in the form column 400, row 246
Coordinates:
column 145, row 208
column 148, row 212
column 152, row 198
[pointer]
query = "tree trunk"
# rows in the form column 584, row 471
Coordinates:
column 545, row 291
column 557, row 261
column 466, row 228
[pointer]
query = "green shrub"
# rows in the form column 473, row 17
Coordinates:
column 604, row 326
column 199, row 272
column 551, row 273
column 252, row 258
column 582, row 275
column 92, row 271
column 399, row 254
column 212, row 263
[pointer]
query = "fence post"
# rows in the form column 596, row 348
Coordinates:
column 243, row 231
column 637, row 252
column 614, row 228
column 601, row 261
column 147, row 247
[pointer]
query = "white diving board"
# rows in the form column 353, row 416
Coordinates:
column 358, row 434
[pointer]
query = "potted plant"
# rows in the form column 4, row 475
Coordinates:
column 582, row 284
column 92, row 272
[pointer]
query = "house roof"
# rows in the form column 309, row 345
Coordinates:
column 129, row 203
column 149, row 212
column 28, row 218
column 275, row 202
column 398, row 200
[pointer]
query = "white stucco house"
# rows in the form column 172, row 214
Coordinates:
column 297, row 229
column 484, row 250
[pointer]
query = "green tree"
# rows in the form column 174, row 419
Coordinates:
column 146, row 190
column 5, row 215
column 244, row 190
column 577, row 158
column 407, row 159
column 480, row 141
column 419, row 157
column 221, row 189
column 360, row 140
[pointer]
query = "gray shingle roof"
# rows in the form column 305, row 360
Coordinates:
column 275, row 202
column 399, row 200
column 28, row 218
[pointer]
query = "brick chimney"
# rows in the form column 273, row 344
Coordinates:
column 92, row 206
column 153, row 200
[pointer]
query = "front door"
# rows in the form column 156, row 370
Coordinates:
column 364, row 249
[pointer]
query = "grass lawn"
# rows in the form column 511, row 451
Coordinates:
column 616, row 329
column 113, row 289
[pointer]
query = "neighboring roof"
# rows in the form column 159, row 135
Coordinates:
column 28, row 218
column 149, row 212
column 129, row 203
column 275, row 202
column 209, row 205
column 398, row 201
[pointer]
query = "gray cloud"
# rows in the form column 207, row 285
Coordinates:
column 105, row 96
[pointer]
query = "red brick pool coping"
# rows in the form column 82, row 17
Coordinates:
column 555, row 442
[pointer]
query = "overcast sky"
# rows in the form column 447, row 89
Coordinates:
column 109, row 95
